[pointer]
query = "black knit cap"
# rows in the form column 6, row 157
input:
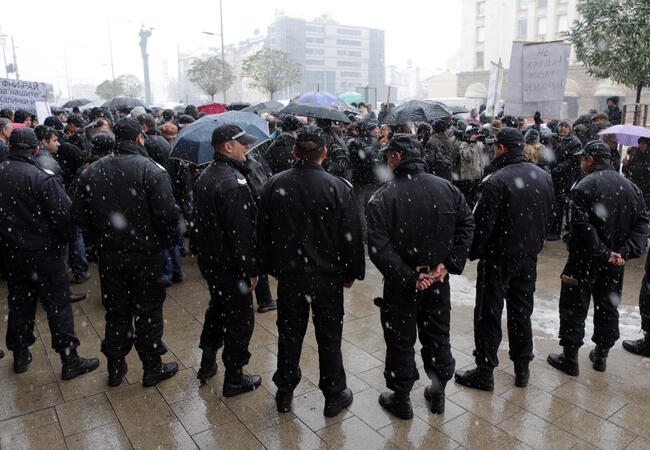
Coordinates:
column 596, row 149
column 310, row 138
column 405, row 144
column 510, row 138
column 23, row 138
column 127, row 129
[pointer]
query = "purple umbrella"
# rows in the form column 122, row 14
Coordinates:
column 627, row 134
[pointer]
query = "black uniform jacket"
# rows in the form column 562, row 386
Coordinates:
column 223, row 232
column 34, row 207
column 514, row 210
column 606, row 213
column 124, row 202
column 417, row 219
column 309, row 223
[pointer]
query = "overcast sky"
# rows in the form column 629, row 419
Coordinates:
column 426, row 32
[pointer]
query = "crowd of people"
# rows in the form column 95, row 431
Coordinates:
column 301, row 206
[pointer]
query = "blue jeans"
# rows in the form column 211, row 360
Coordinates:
column 77, row 256
column 173, row 260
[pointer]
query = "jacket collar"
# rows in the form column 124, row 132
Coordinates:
column 601, row 167
column 24, row 157
column 508, row 158
column 307, row 165
column 409, row 167
column 129, row 148
column 218, row 157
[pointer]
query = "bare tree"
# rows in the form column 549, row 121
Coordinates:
column 212, row 75
column 270, row 70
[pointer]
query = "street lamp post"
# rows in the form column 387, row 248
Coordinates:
column 223, row 53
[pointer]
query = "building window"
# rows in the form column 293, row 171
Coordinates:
column 541, row 26
column 351, row 74
column 523, row 4
column 348, row 31
column 542, row 3
column 480, row 9
column 348, row 53
column 523, row 28
column 314, row 62
column 563, row 1
column 479, row 60
column 348, row 63
column 562, row 23
column 480, row 34
column 315, row 29
column 348, row 42
column 314, row 51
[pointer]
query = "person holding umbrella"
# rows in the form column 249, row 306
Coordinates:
column 223, row 238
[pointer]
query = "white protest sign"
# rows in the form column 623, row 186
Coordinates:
column 544, row 71
column 20, row 94
column 494, row 88
column 42, row 111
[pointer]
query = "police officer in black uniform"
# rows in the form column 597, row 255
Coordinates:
column 608, row 225
column 125, row 208
column 36, row 225
column 310, row 237
column 419, row 230
column 223, row 238
column 642, row 346
column 513, row 216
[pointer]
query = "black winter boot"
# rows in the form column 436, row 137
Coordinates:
column 480, row 378
column 208, row 365
column 522, row 373
column 74, row 365
column 236, row 383
column 156, row 371
column 435, row 394
column 567, row 361
column 2, row 354
column 22, row 358
column 397, row 403
column 283, row 400
column 334, row 405
column 598, row 357
column 117, row 369
column 639, row 347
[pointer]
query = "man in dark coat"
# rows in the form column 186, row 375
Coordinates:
column 5, row 132
column 279, row 154
column 564, row 171
column 310, row 237
column 419, row 230
column 36, row 225
column 223, row 238
column 76, row 134
column 125, row 208
column 513, row 214
column 440, row 152
column 613, row 111
column 364, row 154
column 637, row 169
column 608, row 225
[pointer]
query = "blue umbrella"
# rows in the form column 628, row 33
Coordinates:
column 193, row 142
column 322, row 98
column 351, row 97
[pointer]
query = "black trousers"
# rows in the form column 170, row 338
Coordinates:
column 263, row 291
column 602, row 281
column 407, row 313
column 323, row 294
column 33, row 276
column 644, row 298
column 229, row 319
column 469, row 190
column 560, row 190
column 512, row 281
column 133, row 287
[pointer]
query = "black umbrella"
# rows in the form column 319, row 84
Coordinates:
column 315, row 110
column 458, row 109
column 123, row 103
column 237, row 106
column 76, row 102
column 262, row 107
column 416, row 111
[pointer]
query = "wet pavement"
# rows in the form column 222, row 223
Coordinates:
column 595, row 410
